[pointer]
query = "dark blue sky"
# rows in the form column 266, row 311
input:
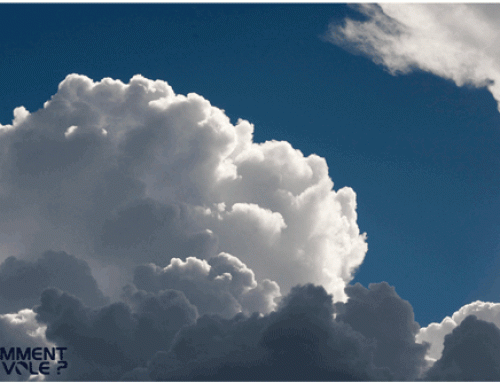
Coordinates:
column 421, row 153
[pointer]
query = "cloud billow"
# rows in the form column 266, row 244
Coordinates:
column 22, row 281
column 162, row 194
column 471, row 353
column 379, row 313
column 183, row 235
column 100, row 158
column 104, row 343
column 299, row 341
column 221, row 285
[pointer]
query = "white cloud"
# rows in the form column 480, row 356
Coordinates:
column 454, row 41
column 21, row 329
column 434, row 333
column 265, row 203
column 20, row 115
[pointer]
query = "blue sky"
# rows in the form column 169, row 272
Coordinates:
column 421, row 153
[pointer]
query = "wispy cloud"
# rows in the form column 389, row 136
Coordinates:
column 454, row 41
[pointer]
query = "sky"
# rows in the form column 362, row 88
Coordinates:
column 167, row 170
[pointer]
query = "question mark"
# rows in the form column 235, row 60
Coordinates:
column 63, row 365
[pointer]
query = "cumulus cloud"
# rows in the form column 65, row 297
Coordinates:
column 380, row 314
column 454, row 41
column 104, row 343
column 435, row 333
column 372, row 337
column 221, row 285
column 125, row 174
column 471, row 353
column 21, row 282
column 161, row 193
column 300, row 341
column 161, row 336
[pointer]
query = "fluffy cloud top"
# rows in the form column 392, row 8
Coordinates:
column 125, row 174
column 222, row 285
column 301, row 340
column 435, row 333
column 454, row 41
column 471, row 353
column 379, row 313
column 104, row 343
column 161, row 193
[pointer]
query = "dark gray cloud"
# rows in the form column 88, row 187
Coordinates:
column 471, row 353
column 380, row 314
column 160, row 336
column 300, row 341
column 106, row 342
column 21, row 282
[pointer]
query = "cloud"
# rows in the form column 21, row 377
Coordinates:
column 300, row 341
column 21, row 329
column 220, row 285
column 470, row 353
column 372, row 337
column 453, row 41
column 380, row 314
column 160, row 336
column 21, row 282
column 125, row 174
column 435, row 333
column 106, row 342
column 149, row 231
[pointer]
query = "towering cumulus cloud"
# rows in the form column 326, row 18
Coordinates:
column 457, row 42
column 129, row 174
column 151, row 239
